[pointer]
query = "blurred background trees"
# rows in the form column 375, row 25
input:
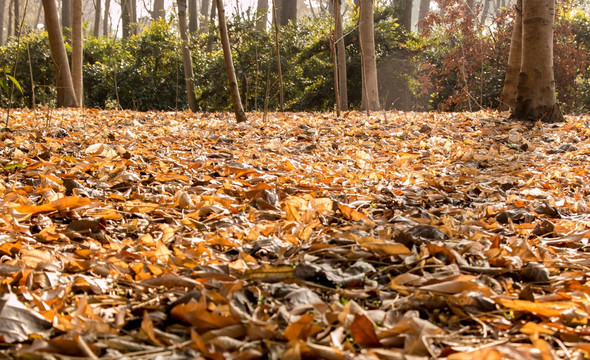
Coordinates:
column 448, row 55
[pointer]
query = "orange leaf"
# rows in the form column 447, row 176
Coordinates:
column 302, row 328
column 363, row 331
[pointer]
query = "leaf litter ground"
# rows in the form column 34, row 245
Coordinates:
column 390, row 236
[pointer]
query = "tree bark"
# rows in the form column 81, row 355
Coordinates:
column 158, row 12
column 66, row 17
column 340, row 56
column 77, row 48
column 278, row 53
column 65, row 88
column 126, row 18
column 97, row 14
column 186, row 57
column 536, row 98
column 16, row 18
column 2, row 7
column 508, row 96
column 229, row 65
column 10, row 19
column 105, row 22
column 203, row 26
column 406, row 15
column 485, row 11
column 193, row 17
column 261, row 14
column 288, row 11
column 423, row 12
column 370, row 89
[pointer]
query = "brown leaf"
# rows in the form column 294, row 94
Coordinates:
column 363, row 331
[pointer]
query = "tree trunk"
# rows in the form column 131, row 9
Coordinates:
column 2, row 7
column 278, row 53
column 288, row 11
column 10, row 19
column 424, row 10
column 66, row 17
column 126, row 18
column 229, row 65
column 406, row 15
column 536, row 98
column 340, row 56
column 133, row 26
column 97, row 14
column 77, row 48
column 370, row 90
column 65, row 88
column 186, row 57
column 17, row 18
column 485, row 11
column 193, row 17
column 261, row 14
column 203, row 26
column 105, row 22
column 158, row 12
column 211, row 23
column 508, row 96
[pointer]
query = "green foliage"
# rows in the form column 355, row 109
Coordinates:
column 42, row 69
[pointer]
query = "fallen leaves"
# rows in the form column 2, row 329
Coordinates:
column 385, row 236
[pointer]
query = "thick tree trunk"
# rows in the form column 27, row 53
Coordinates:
column 186, row 57
column 203, row 26
column 535, row 98
column 77, row 48
column 97, row 14
column 134, row 29
column 2, row 7
column 158, row 12
column 508, row 96
column 193, row 17
column 229, row 65
column 370, row 88
column 66, row 17
column 105, row 22
column 65, row 88
column 261, row 14
column 288, row 11
column 423, row 12
column 340, row 56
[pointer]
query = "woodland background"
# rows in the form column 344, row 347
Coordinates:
column 452, row 58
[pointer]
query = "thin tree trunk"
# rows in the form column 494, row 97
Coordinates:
column 536, row 98
column 229, row 65
column 126, row 18
column 278, row 52
column 203, row 26
column 66, row 97
column 186, row 57
column 77, row 48
column 97, row 14
column 340, row 56
column 484, row 12
column 134, row 24
column 10, row 19
column 66, row 17
column 370, row 88
column 423, row 12
column 105, row 22
column 508, row 96
column 193, row 17
column 38, row 18
column 2, row 8
column 261, row 14
column 16, row 18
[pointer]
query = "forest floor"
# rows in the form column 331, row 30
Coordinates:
column 381, row 236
